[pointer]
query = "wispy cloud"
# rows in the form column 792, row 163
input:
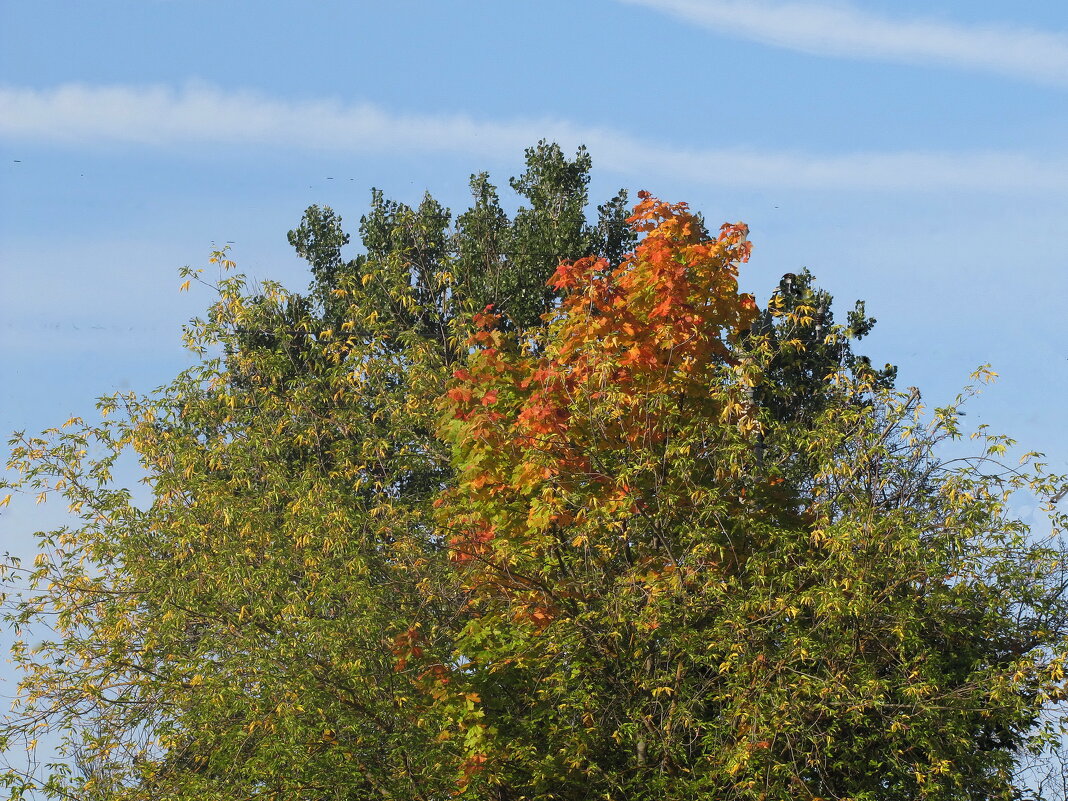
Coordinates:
column 840, row 29
column 162, row 116
column 79, row 115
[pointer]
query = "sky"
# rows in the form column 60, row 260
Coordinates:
column 911, row 154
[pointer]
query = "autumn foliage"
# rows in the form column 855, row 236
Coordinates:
column 532, row 509
column 660, row 325
column 557, row 439
column 663, row 599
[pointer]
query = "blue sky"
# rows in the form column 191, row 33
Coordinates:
column 911, row 154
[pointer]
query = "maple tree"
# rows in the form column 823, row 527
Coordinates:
column 667, row 603
column 622, row 534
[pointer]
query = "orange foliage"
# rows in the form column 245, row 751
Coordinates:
column 528, row 422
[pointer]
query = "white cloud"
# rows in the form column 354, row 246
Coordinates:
column 839, row 29
column 161, row 116
column 80, row 115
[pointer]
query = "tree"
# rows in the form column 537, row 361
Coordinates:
column 803, row 346
column 237, row 637
column 401, row 546
column 662, row 609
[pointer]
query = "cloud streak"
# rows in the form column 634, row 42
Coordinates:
column 77, row 115
column 839, row 29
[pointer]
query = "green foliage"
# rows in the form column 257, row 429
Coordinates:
column 427, row 278
column 805, row 347
column 625, row 536
column 233, row 639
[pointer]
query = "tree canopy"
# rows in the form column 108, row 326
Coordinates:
column 528, row 506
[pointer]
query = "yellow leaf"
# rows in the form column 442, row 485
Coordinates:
column 184, row 287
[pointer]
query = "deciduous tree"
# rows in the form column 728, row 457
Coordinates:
column 622, row 534
column 666, row 602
